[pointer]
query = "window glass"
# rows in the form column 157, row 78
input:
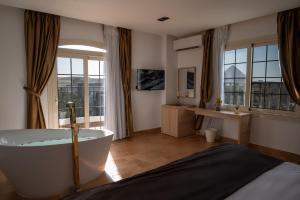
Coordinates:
column 63, row 65
column 235, row 68
column 259, row 53
column 229, row 57
column 77, row 66
column 267, row 88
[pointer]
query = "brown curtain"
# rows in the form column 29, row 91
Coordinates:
column 206, row 74
column 125, row 64
column 41, row 41
column 288, row 30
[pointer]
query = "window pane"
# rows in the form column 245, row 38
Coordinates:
column 95, row 111
column 273, row 52
column 94, row 81
column 259, row 69
column 77, row 66
column 240, row 71
column 102, row 67
column 93, row 66
column 229, row 98
column 239, row 98
column 77, row 81
column 259, row 53
column 257, row 100
column 272, row 101
column 229, row 85
column 273, row 86
column 229, row 57
column 63, row 66
column 79, row 113
column 229, row 71
column 283, row 89
column 241, row 55
column 78, row 96
column 240, row 85
column 64, row 96
column 273, row 69
column 286, row 103
column 258, row 85
column 94, row 97
column 63, row 80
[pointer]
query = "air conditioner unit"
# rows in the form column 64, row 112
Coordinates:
column 188, row 43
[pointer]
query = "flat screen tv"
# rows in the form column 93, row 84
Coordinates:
column 149, row 79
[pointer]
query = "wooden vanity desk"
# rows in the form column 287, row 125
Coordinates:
column 242, row 118
column 177, row 121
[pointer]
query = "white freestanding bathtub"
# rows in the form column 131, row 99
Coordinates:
column 38, row 162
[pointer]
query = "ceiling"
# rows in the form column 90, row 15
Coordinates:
column 187, row 16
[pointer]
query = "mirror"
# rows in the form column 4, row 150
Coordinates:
column 186, row 82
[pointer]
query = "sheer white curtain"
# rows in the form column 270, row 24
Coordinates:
column 220, row 38
column 221, row 35
column 114, row 97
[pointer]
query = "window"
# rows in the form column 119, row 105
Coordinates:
column 70, row 87
column 267, row 88
column 235, row 66
column 96, row 92
column 73, row 80
column 263, row 88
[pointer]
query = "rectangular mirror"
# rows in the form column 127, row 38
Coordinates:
column 186, row 82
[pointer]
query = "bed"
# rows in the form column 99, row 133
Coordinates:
column 226, row 171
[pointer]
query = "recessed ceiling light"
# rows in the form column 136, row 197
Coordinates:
column 163, row 18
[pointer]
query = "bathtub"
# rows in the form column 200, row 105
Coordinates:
column 38, row 162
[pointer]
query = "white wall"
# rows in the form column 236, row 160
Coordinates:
column 169, row 57
column 73, row 29
column 280, row 133
column 146, row 54
column 253, row 29
column 12, row 69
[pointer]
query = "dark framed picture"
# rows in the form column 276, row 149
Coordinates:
column 190, row 80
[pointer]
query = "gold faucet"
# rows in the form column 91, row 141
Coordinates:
column 75, row 146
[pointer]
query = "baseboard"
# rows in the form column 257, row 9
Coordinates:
column 148, row 131
column 283, row 155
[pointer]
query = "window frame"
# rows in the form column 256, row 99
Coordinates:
column 52, row 87
column 274, row 114
column 244, row 107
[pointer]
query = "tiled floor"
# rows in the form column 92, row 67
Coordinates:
column 132, row 156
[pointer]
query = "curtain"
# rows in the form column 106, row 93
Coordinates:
column 288, row 30
column 221, row 35
column 206, row 74
column 125, row 64
column 220, row 39
column 114, row 98
column 41, row 41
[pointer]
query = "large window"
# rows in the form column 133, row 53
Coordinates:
column 268, row 90
column 235, row 66
column 263, row 86
column 81, row 80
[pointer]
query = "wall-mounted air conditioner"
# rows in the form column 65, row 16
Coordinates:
column 188, row 43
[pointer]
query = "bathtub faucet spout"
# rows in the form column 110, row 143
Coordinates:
column 75, row 147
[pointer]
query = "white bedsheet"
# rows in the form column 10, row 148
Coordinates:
column 281, row 182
